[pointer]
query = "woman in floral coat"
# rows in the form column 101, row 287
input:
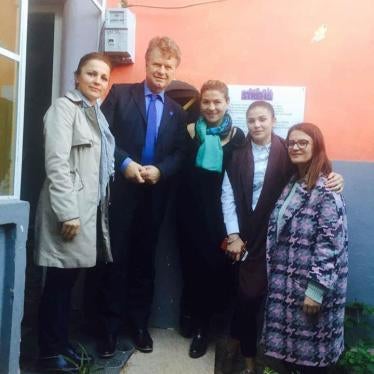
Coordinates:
column 307, row 262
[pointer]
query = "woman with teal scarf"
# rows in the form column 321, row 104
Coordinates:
column 207, row 273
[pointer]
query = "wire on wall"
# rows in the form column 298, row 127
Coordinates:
column 125, row 4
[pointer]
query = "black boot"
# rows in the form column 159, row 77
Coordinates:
column 199, row 344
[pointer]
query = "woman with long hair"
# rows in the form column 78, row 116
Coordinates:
column 307, row 262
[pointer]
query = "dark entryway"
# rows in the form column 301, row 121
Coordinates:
column 38, row 96
column 38, row 92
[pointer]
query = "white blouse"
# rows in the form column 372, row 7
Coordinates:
column 260, row 159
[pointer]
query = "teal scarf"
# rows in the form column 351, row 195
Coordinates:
column 210, row 154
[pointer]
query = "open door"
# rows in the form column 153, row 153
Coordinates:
column 13, row 30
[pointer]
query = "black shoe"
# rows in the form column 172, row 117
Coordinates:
column 143, row 341
column 77, row 354
column 186, row 326
column 106, row 346
column 199, row 344
column 57, row 363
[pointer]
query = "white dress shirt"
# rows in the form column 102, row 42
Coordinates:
column 260, row 159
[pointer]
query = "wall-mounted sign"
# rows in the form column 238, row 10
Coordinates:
column 288, row 103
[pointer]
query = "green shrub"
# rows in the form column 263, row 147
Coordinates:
column 358, row 359
column 358, row 356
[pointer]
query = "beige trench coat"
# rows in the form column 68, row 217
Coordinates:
column 72, row 160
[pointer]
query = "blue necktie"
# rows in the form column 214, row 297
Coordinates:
column 151, row 134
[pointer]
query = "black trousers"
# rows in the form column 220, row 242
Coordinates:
column 135, row 220
column 246, row 322
column 207, row 273
column 54, row 310
column 207, row 282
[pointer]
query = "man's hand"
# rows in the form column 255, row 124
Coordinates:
column 335, row 182
column 151, row 174
column 70, row 229
column 234, row 247
column 310, row 306
column 134, row 172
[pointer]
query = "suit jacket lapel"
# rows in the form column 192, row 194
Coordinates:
column 167, row 113
column 138, row 94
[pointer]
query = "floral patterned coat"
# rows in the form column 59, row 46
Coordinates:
column 309, row 246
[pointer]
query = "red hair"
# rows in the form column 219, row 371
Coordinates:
column 319, row 164
column 216, row 86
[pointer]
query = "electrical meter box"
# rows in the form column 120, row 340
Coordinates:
column 119, row 35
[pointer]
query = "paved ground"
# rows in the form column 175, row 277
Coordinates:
column 170, row 356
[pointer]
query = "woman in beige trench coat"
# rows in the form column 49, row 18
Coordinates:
column 71, row 220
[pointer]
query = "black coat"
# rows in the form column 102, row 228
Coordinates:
column 253, row 224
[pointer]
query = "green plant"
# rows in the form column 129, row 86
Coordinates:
column 358, row 359
column 358, row 356
column 268, row 370
column 84, row 366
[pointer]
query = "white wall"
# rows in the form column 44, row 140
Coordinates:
column 81, row 25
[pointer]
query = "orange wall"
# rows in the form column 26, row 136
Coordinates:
column 269, row 42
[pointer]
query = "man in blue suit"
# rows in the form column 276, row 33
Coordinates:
column 150, row 133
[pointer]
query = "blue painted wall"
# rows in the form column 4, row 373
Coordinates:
column 359, row 196
column 13, row 233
